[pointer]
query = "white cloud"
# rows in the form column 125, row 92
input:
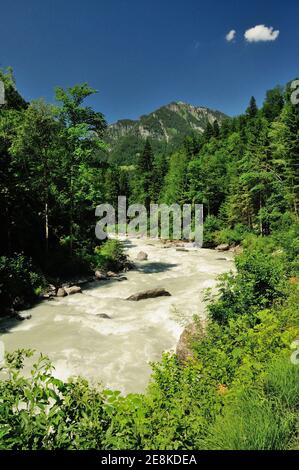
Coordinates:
column 261, row 33
column 230, row 36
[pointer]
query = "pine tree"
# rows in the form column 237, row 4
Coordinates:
column 145, row 159
column 209, row 132
column 160, row 169
column 273, row 103
column 112, row 185
column 176, row 181
column 285, row 145
column 144, row 175
column 216, row 129
column 252, row 109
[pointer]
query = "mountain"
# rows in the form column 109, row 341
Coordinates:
column 166, row 128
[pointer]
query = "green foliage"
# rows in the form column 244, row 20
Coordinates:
column 20, row 282
column 232, row 236
column 212, row 226
column 263, row 418
column 175, row 187
column 13, row 100
column 45, row 413
column 143, row 178
column 273, row 103
column 240, row 390
column 252, row 422
column 282, row 383
column 260, row 280
column 110, row 256
column 52, row 175
column 216, row 234
column 167, row 129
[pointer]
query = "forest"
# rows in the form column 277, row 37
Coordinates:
column 240, row 388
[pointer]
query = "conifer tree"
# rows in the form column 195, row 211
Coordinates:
column 144, row 175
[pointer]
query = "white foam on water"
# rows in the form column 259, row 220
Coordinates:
column 117, row 351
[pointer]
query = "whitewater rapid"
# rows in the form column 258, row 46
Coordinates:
column 117, row 351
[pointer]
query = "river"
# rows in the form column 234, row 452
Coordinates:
column 116, row 351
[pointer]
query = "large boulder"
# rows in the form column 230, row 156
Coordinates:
column 23, row 316
column 100, row 276
column 223, row 247
column 149, row 294
column 73, row 290
column 193, row 332
column 112, row 274
column 142, row 256
column 49, row 292
column 61, row 292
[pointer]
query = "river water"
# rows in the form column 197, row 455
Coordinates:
column 117, row 351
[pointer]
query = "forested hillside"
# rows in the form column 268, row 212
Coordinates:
column 239, row 388
column 166, row 127
column 245, row 171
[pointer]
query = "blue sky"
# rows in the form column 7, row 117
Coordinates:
column 141, row 54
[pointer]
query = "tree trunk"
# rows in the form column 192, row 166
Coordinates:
column 71, row 209
column 47, row 226
column 46, row 196
column 261, row 222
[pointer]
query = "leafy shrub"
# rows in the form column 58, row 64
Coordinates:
column 260, row 280
column 288, row 239
column 45, row 413
column 212, row 225
column 110, row 256
column 233, row 236
column 20, row 281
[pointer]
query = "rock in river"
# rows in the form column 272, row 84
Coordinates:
column 224, row 247
column 149, row 294
column 112, row 274
column 100, row 276
column 103, row 315
column 73, row 290
column 23, row 316
column 61, row 292
column 142, row 256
